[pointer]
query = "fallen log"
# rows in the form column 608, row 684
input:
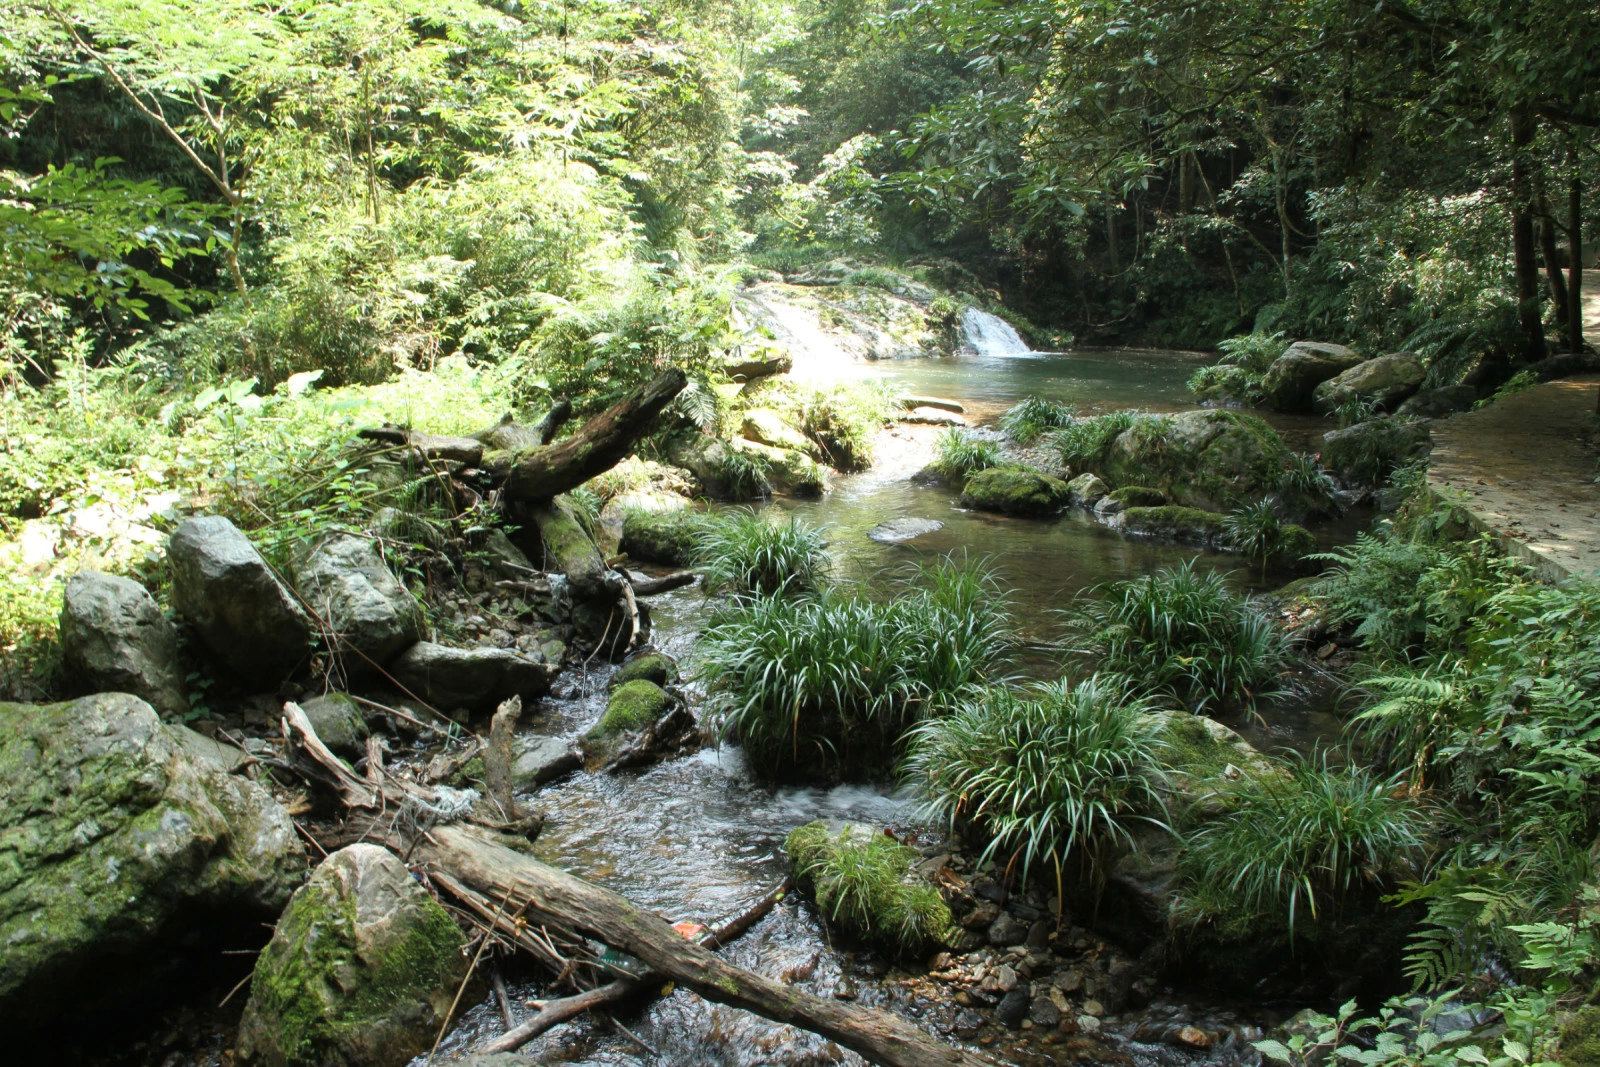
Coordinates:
column 463, row 450
column 911, row 403
column 546, row 894
column 644, row 585
column 556, row 1012
column 510, row 435
column 538, row 474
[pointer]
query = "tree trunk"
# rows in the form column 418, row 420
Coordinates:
column 1525, row 262
column 1546, row 231
column 538, row 474
column 552, row 896
column 1575, row 247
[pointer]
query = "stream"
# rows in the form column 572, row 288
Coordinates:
column 697, row 838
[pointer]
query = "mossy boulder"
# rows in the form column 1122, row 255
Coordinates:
column 864, row 882
column 656, row 667
column 361, row 969
column 1579, row 1043
column 1367, row 452
column 1190, row 526
column 568, row 547
column 633, row 706
column 667, row 538
column 1383, row 382
column 785, row 469
column 1214, row 460
column 115, row 839
column 338, row 721
column 1294, row 376
column 1014, row 491
column 766, row 427
column 1139, row 496
column 1085, row 490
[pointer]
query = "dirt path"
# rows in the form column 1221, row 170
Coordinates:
column 1591, row 307
column 1519, row 469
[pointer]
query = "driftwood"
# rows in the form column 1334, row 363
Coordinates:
column 537, row 474
column 545, row 894
column 463, row 450
column 556, row 1012
column 644, row 585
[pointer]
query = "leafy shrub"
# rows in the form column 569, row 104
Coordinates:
column 863, row 884
column 747, row 553
column 1047, row 774
column 959, row 453
column 834, row 680
column 1027, row 421
column 1083, row 444
column 1296, row 848
column 1180, row 634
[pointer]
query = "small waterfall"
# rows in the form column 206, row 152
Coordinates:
column 991, row 335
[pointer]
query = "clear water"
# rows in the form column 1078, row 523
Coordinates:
column 697, row 839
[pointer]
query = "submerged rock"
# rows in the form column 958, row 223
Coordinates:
column 113, row 838
column 237, row 605
column 1294, row 376
column 369, row 612
column 115, row 639
column 903, row 529
column 1015, row 491
column 472, row 678
column 360, row 971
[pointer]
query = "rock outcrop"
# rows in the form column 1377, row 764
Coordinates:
column 1212, row 460
column 113, row 838
column 114, row 638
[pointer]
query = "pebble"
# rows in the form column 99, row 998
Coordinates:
column 1094, row 1007
column 1044, row 1012
column 1007, row 979
column 1013, row 1008
column 1194, row 1037
column 1088, row 1024
column 845, row 989
column 968, row 1023
column 1006, row 931
column 1039, row 936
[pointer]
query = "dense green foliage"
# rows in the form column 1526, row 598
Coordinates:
column 1028, row 420
column 750, row 553
column 1181, row 636
column 833, row 680
column 958, row 453
column 1056, row 772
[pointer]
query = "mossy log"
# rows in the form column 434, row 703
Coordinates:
column 538, row 474
column 552, row 896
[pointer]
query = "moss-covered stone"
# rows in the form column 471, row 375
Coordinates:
column 1213, row 460
column 112, row 837
column 786, row 469
column 667, row 538
column 1294, row 376
column 1173, row 523
column 633, row 706
column 1296, row 541
column 1138, row 496
column 569, row 547
column 338, row 721
column 1085, row 490
column 1366, row 452
column 361, row 969
column 864, row 883
column 1014, row 491
column 1579, row 1043
column 657, row 667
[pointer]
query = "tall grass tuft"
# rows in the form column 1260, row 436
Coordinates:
column 830, row 682
column 1027, row 421
column 1083, row 443
column 1052, row 773
column 958, row 453
column 1180, row 635
column 1295, row 848
column 745, row 553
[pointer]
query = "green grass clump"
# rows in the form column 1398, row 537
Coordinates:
column 1055, row 772
column 1236, row 377
column 832, row 681
column 747, row 553
column 1258, row 532
column 1295, row 848
column 1083, row 443
column 1181, row 635
column 863, row 884
column 1027, row 421
column 1304, row 485
column 959, row 453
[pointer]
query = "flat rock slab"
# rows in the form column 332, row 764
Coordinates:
column 1517, row 470
column 541, row 760
column 926, row 416
column 897, row 530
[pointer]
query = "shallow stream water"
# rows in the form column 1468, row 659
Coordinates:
column 697, row 838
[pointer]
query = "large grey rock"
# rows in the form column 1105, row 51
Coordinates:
column 1085, row 490
column 338, row 721
column 1294, row 376
column 113, row 839
column 238, row 607
column 370, row 614
column 471, row 678
column 1382, row 382
column 115, row 639
column 785, row 470
column 703, row 456
column 541, row 760
column 361, row 969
